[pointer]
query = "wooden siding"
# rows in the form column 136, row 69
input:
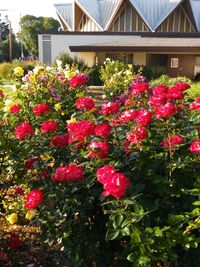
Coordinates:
column 128, row 20
column 87, row 24
column 178, row 21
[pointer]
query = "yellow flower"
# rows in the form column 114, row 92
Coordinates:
column 12, row 218
column 69, row 74
column 57, row 106
column 8, row 104
column 30, row 214
column 72, row 120
column 32, row 78
column 38, row 70
column 18, row 71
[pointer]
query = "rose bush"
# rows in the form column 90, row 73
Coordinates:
column 116, row 185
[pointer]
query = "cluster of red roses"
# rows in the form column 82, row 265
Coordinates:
column 114, row 183
column 78, row 80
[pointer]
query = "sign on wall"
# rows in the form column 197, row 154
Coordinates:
column 174, row 62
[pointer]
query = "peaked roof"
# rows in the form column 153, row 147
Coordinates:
column 196, row 11
column 92, row 8
column 154, row 12
column 65, row 11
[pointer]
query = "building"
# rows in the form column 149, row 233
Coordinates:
column 162, row 34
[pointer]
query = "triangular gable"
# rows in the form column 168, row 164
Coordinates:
column 92, row 10
column 65, row 12
column 154, row 12
column 108, row 9
column 196, row 11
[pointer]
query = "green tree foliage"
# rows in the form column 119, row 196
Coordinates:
column 31, row 26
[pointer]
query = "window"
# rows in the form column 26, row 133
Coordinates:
column 46, row 47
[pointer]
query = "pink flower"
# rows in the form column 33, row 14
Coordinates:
column 98, row 148
column 104, row 173
column 41, row 109
column 59, row 140
column 23, row 130
column 15, row 109
column 68, row 173
column 78, row 80
column 196, row 104
column 195, row 147
column 173, row 141
column 143, row 117
column 138, row 133
column 103, row 130
column 110, row 108
column 34, row 199
column 157, row 100
column 140, row 88
column 85, row 103
column 182, row 86
column 49, row 126
column 166, row 110
column 14, row 241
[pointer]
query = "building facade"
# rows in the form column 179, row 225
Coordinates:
column 162, row 34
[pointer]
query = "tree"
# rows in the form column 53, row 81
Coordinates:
column 31, row 26
column 4, row 43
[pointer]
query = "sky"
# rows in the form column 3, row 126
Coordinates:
column 36, row 8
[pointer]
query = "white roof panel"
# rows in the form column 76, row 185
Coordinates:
column 66, row 12
column 196, row 11
column 154, row 12
column 93, row 9
column 107, row 7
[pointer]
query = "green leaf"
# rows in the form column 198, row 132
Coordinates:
column 144, row 260
column 118, row 219
column 196, row 203
column 131, row 257
column 112, row 234
column 125, row 231
column 157, row 231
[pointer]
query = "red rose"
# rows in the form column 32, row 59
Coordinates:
column 23, row 130
column 175, row 92
column 30, row 163
column 34, row 199
column 195, row 147
column 14, row 241
column 98, row 148
column 173, row 141
column 43, row 174
column 41, row 109
column 19, row 191
column 160, row 89
column 110, row 108
column 85, row 103
column 59, row 140
column 104, row 173
column 137, row 134
column 79, row 130
column 49, row 126
column 68, row 173
column 157, row 100
column 1, row 94
column 165, row 110
column 127, row 115
column 140, row 88
column 103, row 130
column 4, row 257
column 182, row 86
column 116, row 185
column 78, row 80
column 143, row 117
column 196, row 104
column 15, row 108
